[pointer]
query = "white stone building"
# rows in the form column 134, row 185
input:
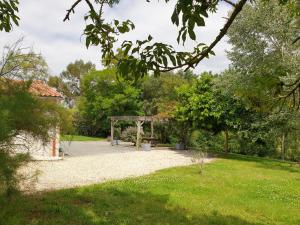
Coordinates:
column 38, row 149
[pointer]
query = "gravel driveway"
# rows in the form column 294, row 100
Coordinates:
column 95, row 162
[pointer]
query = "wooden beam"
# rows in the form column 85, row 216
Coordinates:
column 138, row 118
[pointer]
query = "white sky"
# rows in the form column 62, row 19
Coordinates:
column 61, row 42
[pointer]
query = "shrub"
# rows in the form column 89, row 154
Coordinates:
column 206, row 141
column 22, row 113
column 129, row 135
column 9, row 166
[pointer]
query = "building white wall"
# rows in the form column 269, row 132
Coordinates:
column 38, row 149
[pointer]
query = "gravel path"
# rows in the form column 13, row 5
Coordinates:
column 95, row 162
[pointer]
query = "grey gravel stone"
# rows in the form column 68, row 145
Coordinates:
column 95, row 162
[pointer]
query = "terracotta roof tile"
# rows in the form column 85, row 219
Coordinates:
column 40, row 88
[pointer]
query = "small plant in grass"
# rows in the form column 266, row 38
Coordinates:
column 198, row 158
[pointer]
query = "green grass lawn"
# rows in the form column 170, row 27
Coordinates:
column 80, row 138
column 233, row 190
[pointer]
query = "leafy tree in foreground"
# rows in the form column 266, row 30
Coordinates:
column 145, row 56
column 8, row 14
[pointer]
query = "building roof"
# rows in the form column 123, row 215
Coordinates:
column 37, row 87
column 41, row 89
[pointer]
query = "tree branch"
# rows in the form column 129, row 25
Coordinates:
column 71, row 10
column 238, row 8
column 230, row 2
column 199, row 57
column 192, row 59
column 293, row 94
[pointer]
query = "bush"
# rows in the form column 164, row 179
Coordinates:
column 206, row 141
column 129, row 135
column 21, row 113
column 9, row 177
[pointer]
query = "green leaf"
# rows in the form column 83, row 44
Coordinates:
column 199, row 21
column 15, row 19
column 136, row 49
column 127, row 49
column 173, row 60
column 116, row 22
column 165, row 61
column 175, row 18
column 88, row 41
column 89, row 27
column 184, row 36
column 192, row 34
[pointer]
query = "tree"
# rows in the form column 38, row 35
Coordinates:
column 264, row 64
column 159, row 93
column 265, row 72
column 159, row 97
column 263, row 54
column 187, row 75
column 103, row 95
column 283, row 125
column 146, row 56
column 22, row 63
column 60, row 85
column 73, row 74
column 156, row 57
column 204, row 106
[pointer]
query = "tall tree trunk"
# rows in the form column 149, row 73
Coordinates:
column 283, row 146
column 226, row 141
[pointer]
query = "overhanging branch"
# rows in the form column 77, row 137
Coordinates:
column 237, row 9
column 71, row 10
column 199, row 57
column 229, row 2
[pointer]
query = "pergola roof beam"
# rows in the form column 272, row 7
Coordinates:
column 138, row 118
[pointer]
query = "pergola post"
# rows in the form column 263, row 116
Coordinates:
column 152, row 129
column 112, row 132
column 138, row 134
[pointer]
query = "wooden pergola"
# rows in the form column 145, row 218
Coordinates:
column 139, row 120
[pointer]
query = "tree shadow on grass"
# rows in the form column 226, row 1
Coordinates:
column 264, row 162
column 97, row 206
